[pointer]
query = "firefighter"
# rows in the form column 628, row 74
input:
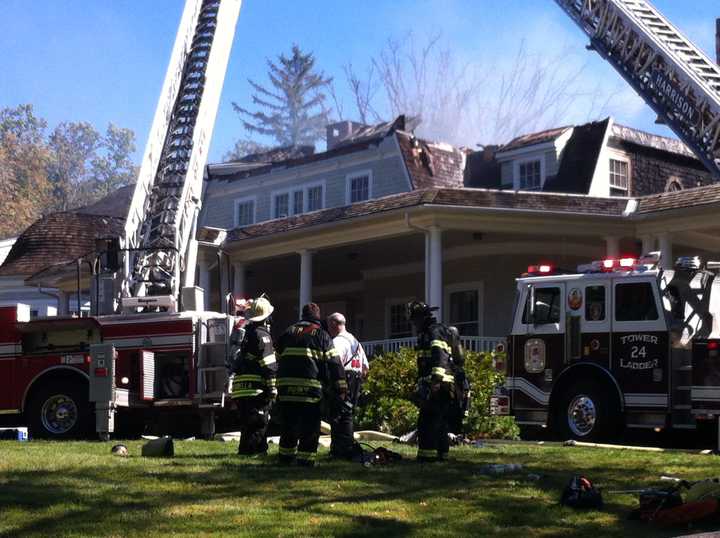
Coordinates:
column 355, row 362
column 309, row 370
column 436, row 383
column 253, row 384
column 460, row 405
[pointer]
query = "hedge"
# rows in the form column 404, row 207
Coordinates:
column 385, row 403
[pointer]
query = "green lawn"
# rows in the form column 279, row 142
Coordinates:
column 79, row 489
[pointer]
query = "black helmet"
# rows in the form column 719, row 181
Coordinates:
column 419, row 310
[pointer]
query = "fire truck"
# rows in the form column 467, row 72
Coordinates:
column 149, row 351
column 618, row 342
column 621, row 342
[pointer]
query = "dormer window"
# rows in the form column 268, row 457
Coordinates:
column 358, row 187
column 619, row 177
column 530, row 175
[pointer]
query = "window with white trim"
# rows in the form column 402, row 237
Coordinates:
column 244, row 211
column 530, row 175
column 463, row 307
column 281, row 205
column 619, row 175
column 315, row 198
column 359, row 187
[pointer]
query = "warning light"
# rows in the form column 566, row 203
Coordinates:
column 608, row 264
column 713, row 345
column 543, row 269
column 627, row 262
column 101, row 372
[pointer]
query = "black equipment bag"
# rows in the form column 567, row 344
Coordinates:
column 580, row 493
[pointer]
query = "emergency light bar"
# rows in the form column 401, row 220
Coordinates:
column 543, row 269
column 609, row 265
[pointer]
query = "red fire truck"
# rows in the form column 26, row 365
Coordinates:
column 149, row 351
column 148, row 367
column 617, row 343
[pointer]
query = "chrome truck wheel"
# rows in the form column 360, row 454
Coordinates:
column 581, row 415
column 59, row 409
column 59, row 414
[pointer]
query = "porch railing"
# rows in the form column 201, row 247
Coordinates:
column 471, row 343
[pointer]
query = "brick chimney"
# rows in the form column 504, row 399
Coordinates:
column 335, row 132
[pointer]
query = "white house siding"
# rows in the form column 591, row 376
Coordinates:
column 5, row 246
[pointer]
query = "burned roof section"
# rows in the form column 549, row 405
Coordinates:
column 431, row 164
column 531, row 139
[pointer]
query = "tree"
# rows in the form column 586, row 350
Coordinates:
column 73, row 166
column 292, row 111
column 460, row 102
column 243, row 148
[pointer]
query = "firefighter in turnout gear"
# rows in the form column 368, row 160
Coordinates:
column 309, row 370
column 435, row 391
column 253, row 383
column 460, row 405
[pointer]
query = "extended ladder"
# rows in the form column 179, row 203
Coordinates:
column 673, row 76
column 160, row 228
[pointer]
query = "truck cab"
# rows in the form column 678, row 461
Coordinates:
column 616, row 343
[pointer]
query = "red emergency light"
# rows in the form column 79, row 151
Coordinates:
column 101, row 372
column 542, row 269
column 713, row 345
column 610, row 264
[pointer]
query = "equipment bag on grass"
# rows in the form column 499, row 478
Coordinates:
column 580, row 493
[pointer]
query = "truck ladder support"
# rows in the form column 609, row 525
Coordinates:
column 166, row 201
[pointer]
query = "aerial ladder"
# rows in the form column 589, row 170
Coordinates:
column 158, row 246
column 674, row 77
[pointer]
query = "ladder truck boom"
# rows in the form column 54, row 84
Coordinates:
column 158, row 241
column 674, row 77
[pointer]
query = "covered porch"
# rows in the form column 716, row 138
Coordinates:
column 462, row 259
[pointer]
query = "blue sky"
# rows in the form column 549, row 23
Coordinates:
column 104, row 60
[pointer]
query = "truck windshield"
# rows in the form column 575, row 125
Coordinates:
column 547, row 306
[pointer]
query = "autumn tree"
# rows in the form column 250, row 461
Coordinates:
column 291, row 110
column 72, row 166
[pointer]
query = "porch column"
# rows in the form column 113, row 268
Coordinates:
column 436, row 278
column 665, row 248
column 204, row 282
column 305, row 278
column 648, row 244
column 239, row 280
column 426, row 298
column 612, row 246
column 63, row 309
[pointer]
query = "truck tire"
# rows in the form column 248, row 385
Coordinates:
column 61, row 412
column 586, row 412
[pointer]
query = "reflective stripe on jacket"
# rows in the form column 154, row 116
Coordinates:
column 308, row 364
column 256, row 368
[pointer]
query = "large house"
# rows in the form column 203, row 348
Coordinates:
column 383, row 217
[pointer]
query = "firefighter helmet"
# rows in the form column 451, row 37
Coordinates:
column 419, row 310
column 259, row 310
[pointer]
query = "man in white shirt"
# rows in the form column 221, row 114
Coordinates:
column 352, row 356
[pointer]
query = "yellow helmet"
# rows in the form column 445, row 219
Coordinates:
column 259, row 310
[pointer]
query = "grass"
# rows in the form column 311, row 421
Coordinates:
column 79, row 489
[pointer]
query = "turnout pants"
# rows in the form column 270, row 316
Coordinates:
column 300, row 432
column 254, row 415
column 433, row 444
column 342, row 441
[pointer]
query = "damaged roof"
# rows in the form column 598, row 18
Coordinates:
column 531, row 139
column 698, row 196
column 431, row 164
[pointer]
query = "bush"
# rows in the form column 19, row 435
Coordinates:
column 385, row 404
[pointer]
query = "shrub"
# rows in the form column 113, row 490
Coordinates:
column 385, row 404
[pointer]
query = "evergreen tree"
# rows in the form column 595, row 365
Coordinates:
column 292, row 111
